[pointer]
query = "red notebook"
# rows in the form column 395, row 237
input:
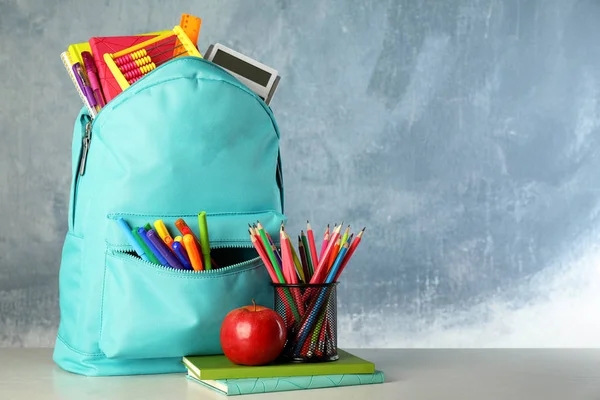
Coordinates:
column 113, row 44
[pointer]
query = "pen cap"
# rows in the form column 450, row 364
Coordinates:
column 88, row 61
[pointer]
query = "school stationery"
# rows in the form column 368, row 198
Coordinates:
column 308, row 307
column 136, row 245
column 193, row 252
column 70, row 68
column 204, row 240
column 92, row 74
column 161, row 229
column 76, row 49
column 243, row 386
column 147, row 251
column 303, row 260
column 351, row 251
column 182, row 255
column 313, row 259
column 219, row 367
column 263, row 256
column 84, row 84
column 260, row 78
column 306, row 255
column 144, row 235
column 162, row 248
column 185, row 230
column 190, row 24
column 101, row 45
column 129, row 65
column 323, row 245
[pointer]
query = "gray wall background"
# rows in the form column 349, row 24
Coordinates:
column 463, row 134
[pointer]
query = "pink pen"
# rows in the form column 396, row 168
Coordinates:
column 92, row 73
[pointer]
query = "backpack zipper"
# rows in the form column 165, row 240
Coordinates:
column 85, row 148
column 128, row 251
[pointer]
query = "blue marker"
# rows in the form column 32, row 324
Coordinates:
column 142, row 233
column 136, row 246
column 178, row 248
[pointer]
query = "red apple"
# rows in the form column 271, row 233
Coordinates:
column 252, row 335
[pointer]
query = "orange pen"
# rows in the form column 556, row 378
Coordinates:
column 185, row 229
column 193, row 252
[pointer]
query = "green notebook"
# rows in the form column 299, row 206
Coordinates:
column 219, row 367
column 235, row 387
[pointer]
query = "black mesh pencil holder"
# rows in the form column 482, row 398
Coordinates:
column 310, row 315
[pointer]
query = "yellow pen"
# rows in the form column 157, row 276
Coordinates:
column 161, row 229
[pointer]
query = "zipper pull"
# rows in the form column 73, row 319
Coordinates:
column 86, row 147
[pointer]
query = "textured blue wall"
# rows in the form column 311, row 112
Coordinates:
column 463, row 134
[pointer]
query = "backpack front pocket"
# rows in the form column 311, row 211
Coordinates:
column 153, row 311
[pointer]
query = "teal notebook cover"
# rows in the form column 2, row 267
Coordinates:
column 235, row 387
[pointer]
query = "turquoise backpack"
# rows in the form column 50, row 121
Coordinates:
column 186, row 138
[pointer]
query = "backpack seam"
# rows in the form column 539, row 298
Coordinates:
column 102, row 296
column 194, row 215
column 67, row 345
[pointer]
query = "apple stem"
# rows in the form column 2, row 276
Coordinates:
column 253, row 302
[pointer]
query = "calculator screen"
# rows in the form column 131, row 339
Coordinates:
column 241, row 67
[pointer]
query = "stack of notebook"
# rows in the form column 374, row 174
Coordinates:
column 221, row 375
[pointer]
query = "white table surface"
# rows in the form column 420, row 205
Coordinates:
column 515, row 374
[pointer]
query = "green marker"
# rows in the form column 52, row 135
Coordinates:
column 144, row 246
column 204, row 242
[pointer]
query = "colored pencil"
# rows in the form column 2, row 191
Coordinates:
column 314, row 260
column 286, row 258
column 303, row 259
column 336, row 265
column 306, row 308
column 311, row 316
column 351, row 251
column 334, row 253
column 345, row 236
column 265, row 259
column 269, row 250
column 306, row 247
column 322, row 268
column 297, row 263
column 324, row 244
